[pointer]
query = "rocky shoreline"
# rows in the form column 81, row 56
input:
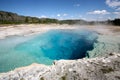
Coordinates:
column 106, row 65
column 28, row 29
column 99, row 68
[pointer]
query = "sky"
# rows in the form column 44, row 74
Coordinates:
column 90, row 10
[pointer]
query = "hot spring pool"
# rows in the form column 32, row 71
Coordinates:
column 17, row 51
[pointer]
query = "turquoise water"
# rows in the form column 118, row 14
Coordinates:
column 17, row 51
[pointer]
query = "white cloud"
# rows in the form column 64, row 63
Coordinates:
column 62, row 15
column 117, row 13
column 58, row 15
column 109, row 18
column 80, row 16
column 77, row 5
column 102, row 12
column 118, row 9
column 43, row 16
column 113, row 3
column 65, row 14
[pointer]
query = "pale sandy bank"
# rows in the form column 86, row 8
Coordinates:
column 27, row 29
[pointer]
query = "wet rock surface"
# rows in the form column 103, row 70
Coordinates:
column 99, row 68
column 105, row 44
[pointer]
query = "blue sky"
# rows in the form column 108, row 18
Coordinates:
column 64, row 9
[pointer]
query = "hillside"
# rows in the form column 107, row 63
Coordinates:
column 13, row 18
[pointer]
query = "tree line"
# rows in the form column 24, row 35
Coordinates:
column 13, row 18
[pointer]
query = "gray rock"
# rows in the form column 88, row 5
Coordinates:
column 99, row 68
column 105, row 44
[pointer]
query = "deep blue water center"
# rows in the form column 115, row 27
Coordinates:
column 44, row 48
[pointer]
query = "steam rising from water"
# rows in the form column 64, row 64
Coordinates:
column 45, row 48
column 58, row 44
column 69, row 45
